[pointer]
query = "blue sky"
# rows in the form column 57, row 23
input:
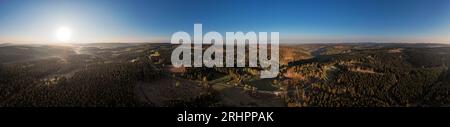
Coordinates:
column 298, row 21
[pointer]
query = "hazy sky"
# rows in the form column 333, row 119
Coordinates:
column 297, row 20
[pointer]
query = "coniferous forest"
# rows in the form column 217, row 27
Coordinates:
column 141, row 75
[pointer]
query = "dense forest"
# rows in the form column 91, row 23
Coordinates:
column 140, row 75
column 373, row 77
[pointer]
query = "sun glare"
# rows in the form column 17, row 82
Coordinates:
column 63, row 34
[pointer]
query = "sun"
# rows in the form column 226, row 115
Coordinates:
column 63, row 34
